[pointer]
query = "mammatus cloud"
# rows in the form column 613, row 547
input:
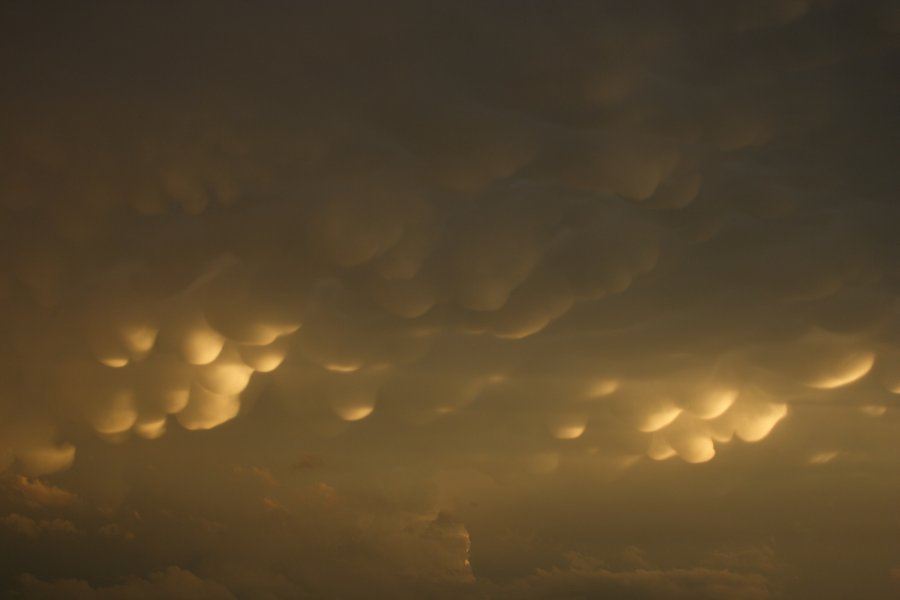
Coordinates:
column 158, row 264
column 398, row 266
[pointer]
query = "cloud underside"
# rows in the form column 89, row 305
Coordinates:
column 409, row 268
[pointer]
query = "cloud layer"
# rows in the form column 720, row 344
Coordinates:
column 401, row 264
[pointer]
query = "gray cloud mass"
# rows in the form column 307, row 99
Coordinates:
column 450, row 300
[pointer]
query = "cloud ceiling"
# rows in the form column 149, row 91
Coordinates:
column 515, row 240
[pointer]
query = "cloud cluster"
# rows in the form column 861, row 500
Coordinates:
column 466, row 246
column 160, row 256
column 173, row 583
column 584, row 578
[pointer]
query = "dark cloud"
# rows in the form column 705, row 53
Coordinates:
column 399, row 294
column 171, row 583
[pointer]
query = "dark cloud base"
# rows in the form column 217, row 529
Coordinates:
column 461, row 300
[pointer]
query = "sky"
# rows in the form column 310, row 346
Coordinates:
column 457, row 300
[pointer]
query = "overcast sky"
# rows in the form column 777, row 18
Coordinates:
column 429, row 299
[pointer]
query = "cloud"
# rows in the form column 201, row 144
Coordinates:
column 363, row 243
column 584, row 577
column 312, row 279
column 30, row 528
column 173, row 582
column 36, row 493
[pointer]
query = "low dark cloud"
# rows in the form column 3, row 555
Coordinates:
column 449, row 299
